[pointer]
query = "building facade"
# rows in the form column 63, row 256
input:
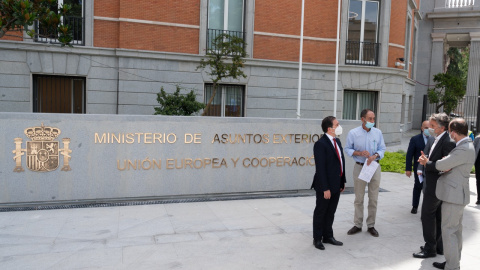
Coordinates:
column 447, row 24
column 123, row 53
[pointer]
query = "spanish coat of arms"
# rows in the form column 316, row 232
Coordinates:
column 43, row 152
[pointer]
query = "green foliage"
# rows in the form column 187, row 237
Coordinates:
column 448, row 91
column 394, row 162
column 177, row 104
column 225, row 59
column 19, row 15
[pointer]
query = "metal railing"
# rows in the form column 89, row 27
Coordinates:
column 362, row 53
column 467, row 108
column 213, row 33
column 459, row 3
column 77, row 27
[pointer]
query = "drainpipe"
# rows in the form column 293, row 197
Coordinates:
column 336, row 63
column 300, row 63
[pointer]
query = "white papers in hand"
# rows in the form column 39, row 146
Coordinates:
column 368, row 171
column 420, row 178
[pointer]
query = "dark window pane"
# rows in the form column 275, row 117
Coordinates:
column 215, row 108
column 57, row 94
column 234, row 101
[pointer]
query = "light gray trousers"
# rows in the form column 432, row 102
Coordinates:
column 452, row 216
column 373, row 188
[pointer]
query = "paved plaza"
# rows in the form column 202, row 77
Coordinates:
column 273, row 233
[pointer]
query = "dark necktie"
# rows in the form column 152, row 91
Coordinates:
column 338, row 155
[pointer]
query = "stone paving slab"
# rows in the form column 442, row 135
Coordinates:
column 272, row 233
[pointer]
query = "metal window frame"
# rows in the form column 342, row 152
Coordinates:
column 222, row 88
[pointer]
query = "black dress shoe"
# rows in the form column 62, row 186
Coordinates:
column 373, row 232
column 423, row 255
column 414, row 210
column 354, row 230
column 318, row 244
column 439, row 265
column 439, row 252
column 332, row 241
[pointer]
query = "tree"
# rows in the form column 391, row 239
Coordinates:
column 225, row 59
column 19, row 15
column 458, row 65
column 448, row 91
column 176, row 104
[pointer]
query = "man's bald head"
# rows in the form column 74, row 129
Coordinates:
column 425, row 125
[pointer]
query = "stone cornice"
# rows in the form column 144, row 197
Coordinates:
column 456, row 13
column 438, row 37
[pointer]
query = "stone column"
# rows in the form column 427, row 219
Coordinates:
column 474, row 65
column 473, row 77
column 438, row 52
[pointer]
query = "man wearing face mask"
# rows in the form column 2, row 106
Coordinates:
column 431, row 206
column 366, row 145
column 416, row 145
column 328, row 182
column 453, row 190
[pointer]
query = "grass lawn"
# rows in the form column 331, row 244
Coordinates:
column 395, row 162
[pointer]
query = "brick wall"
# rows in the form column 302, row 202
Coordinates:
column 398, row 24
column 106, row 34
column 158, row 38
column 284, row 17
column 12, row 35
column 107, row 8
column 148, row 35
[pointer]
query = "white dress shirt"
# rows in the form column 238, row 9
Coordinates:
column 338, row 149
column 435, row 143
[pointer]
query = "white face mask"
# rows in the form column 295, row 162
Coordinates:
column 432, row 132
column 452, row 137
column 338, row 130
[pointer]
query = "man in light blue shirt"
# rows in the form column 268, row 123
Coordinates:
column 365, row 144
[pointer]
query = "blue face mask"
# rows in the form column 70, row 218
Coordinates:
column 369, row 125
column 426, row 132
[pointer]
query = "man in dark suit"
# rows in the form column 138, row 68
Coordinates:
column 328, row 182
column 415, row 147
column 431, row 207
column 454, row 190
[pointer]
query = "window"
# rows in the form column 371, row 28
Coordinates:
column 402, row 111
column 410, row 108
column 75, row 19
column 412, row 75
column 362, row 40
column 407, row 42
column 225, row 16
column 355, row 101
column 58, row 94
column 228, row 100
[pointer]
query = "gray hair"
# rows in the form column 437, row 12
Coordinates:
column 441, row 119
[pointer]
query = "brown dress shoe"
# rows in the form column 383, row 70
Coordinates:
column 354, row 230
column 373, row 232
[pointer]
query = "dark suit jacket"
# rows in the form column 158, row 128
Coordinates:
column 327, row 166
column 442, row 149
column 416, row 145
